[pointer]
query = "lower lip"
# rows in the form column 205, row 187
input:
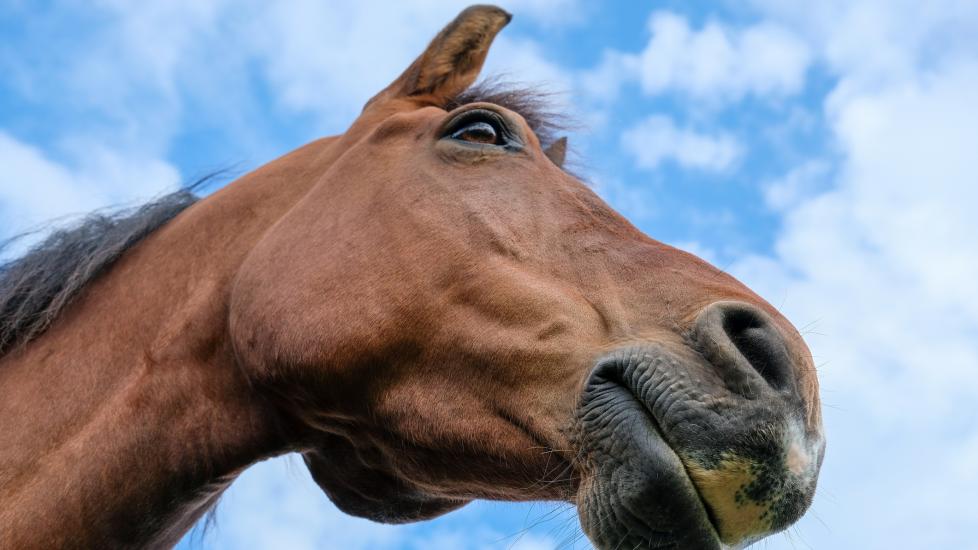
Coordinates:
column 652, row 460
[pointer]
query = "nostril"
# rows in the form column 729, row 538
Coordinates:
column 738, row 338
column 760, row 343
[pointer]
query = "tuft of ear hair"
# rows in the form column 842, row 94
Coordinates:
column 453, row 59
column 557, row 151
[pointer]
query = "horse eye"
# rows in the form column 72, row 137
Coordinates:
column 479, row 131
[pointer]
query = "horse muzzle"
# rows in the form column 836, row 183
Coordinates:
column 703, row 447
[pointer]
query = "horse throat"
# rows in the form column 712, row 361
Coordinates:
column 124, row 440
column 131, row 465
column 122, row 423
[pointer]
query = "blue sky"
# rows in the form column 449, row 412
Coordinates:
column 822, row 152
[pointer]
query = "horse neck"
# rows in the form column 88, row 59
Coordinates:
column 122, row 423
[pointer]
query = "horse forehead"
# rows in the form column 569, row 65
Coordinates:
column 406, row 117
column 392, row 119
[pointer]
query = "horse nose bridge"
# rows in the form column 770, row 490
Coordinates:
column 747, row 349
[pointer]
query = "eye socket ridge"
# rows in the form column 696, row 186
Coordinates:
column 481, row 127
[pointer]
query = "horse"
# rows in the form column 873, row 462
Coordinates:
column 430, row 309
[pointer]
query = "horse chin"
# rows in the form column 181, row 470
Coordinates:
column 361, row 491
column 675, row 462
column 396, row 510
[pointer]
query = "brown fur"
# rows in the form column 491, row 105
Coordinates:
column 416, row 317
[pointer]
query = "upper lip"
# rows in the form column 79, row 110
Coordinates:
column 647, row 452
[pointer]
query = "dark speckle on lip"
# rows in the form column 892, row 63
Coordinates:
column 767, row 490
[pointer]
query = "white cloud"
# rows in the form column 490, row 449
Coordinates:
column 876, row 42
column 603, row 82
column 34, row 188
column 128, row 79
column 522, row 61
column 716, row 63
column 798, row 184
column 760, row 59
column 656, row 140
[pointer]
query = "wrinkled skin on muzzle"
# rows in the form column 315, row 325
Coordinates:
column 692, row 448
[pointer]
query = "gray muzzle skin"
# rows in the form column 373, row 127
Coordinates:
column 700, row 451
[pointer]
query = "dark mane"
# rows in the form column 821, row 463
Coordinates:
column 36, row 287
column 534, row 105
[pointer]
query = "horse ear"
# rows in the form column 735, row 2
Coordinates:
column 452, row 60
column 557, row 151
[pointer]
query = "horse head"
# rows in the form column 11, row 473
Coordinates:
column 448, row 314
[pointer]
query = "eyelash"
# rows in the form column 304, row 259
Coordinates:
column 503, row 136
